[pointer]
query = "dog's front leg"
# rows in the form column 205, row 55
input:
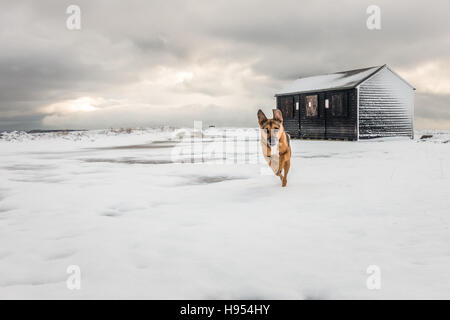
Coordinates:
column 280, row 167
column 286, row 166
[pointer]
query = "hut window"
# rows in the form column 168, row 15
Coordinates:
column 338, row 107
column 312, row 109
column 287, row 107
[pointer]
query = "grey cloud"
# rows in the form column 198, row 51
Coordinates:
column 122, row 43
column 23, row 122
column 432, row 106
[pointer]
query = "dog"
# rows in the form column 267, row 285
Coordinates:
column 275, row 144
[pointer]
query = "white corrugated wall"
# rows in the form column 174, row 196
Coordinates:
column 386, row 106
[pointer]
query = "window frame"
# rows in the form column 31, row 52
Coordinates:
column 317, row 114
column 344, row 100
column 282, row 107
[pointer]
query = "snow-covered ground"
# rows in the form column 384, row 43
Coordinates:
column 142, row 221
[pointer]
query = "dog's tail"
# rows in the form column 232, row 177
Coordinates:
column 288, row 138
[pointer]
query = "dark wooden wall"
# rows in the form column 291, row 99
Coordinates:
column 312, row 128
column 343, row 127
column 291, row 125
column 325, row 126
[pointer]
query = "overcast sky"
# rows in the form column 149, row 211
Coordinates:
column 145, row 63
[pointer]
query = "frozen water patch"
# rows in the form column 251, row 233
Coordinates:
column 60, row 255
column 112, row 213
column 121, row 209
column 5, row 209
column 316, row 156
column 38, row 281
column 29, row 167
column 152, row 145
column 198, row 180
column 129, row 160
column 39, row 179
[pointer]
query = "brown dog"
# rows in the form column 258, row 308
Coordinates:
column 275, row 143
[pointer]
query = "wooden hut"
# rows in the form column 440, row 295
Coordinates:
column 350, row 105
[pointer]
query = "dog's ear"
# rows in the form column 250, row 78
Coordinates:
column 277, row 115
column 261, row 117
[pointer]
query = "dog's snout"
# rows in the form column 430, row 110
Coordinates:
column 271, row 141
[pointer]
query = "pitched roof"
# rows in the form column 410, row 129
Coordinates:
column 333, row 81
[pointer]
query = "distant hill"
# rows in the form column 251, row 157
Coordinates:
column 54, row 130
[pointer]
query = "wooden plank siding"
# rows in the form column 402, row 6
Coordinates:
column 325, row 125
column 343, row 127
column 386, row 106
column 291, row 124
column 312, row 127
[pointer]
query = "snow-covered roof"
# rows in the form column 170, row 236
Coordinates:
column 339, row 80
